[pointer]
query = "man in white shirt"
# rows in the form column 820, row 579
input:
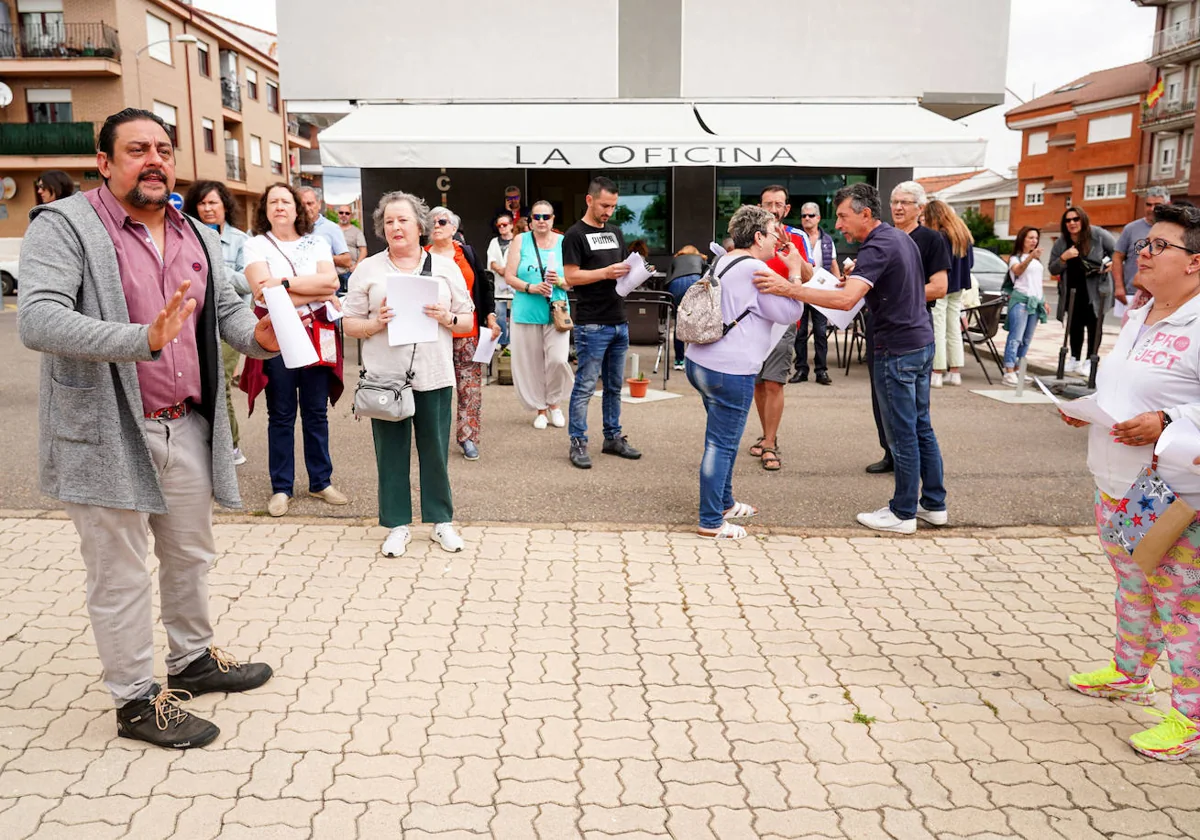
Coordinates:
column 497, row 257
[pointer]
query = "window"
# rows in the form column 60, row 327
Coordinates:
column 168, row 115
column 1034, row 195
column 48, row 105
column 1115, row 127
column 210, row 134
column 1193, row 78
column 273, row 96
column 202, row 59
column 276, row 152
column 42, row 28
column 1105, row 185
column 1002, row 211
column 1185, row 154
column 158, row 38
column 1173, row 87
column 1166, row 153
column 251, row 83
column 1038, row 142
column 255, row 150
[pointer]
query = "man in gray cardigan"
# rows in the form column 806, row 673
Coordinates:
column 127, row 300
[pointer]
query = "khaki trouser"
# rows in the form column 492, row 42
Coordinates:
column 541, row 371
column 230, row 357
column 114, row 543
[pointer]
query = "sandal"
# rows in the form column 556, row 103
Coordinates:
column 770, row 459
column 727, row 531
column 741, row 510
column 756, row 449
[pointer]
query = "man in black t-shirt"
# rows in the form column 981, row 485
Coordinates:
column 593, row 259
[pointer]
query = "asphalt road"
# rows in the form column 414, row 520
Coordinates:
column 1005, row 465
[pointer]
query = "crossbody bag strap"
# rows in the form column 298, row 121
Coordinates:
column 725, row 328
column 538, row 253
column 271, row 239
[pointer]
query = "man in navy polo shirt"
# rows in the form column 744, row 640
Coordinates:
column 890, row 275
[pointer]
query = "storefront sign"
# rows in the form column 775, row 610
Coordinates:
column 639, row 155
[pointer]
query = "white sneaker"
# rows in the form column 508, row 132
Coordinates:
column 1085, row 368
column 935, row 380
column 937, row 518
column 954, row 378
column 1072, row 365
column 884, row 520
column 540, row 422
column 277, row 505
column 238, row 457
column 556, row 418
column 444, row 535
column 397, row 541
column 1009, row 378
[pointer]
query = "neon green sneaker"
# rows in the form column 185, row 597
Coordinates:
column 1110, row 683
column 1172, row 740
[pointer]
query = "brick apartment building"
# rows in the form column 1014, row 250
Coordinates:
column 70, row 63
column 1081, row 144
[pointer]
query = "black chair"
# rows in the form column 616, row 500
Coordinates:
column 650, row 314
column 854, row 338
column 983, row 322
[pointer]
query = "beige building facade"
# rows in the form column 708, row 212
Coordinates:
column 71, row 63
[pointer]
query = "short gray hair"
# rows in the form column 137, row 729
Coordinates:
column 1158, row 192
column 315, row 191
column 913, row 190
column 448, row 213
column 747, row 221
column 811, row 204
column 419, row 207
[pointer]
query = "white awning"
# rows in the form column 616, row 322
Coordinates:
column 590, row 135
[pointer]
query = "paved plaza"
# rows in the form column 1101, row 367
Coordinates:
column 576, row 683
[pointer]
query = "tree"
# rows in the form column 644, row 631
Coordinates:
column 621, row 216
column 981, row 226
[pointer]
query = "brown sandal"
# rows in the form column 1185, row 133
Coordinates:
column 756, row 449
column 770, row 459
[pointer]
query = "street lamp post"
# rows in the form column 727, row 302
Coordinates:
column 137, row 57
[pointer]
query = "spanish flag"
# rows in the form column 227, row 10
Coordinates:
column 1155, row 93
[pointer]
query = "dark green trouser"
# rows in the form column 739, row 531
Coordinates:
column 393, row 448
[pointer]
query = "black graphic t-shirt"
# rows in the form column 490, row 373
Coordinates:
column 591, row 248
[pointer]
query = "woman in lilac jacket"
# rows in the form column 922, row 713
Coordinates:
column 724, row 371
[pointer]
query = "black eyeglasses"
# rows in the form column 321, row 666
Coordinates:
column 341, row 213
column 1070, row 219
column 810, row 215
column 1157, row 246
column 441, row 221
column 541, row 217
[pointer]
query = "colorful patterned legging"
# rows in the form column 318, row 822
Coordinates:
column 470, row 388
column 1159, row 612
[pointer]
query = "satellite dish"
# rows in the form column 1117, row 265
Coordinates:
column 8, row 188
column 6, row 95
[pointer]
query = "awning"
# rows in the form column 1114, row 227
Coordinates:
column 590, row 135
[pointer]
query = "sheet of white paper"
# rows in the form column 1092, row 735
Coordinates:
column 717, row 249
column 638, row 274
column 1119, row 309
column 840, row 318
column 295, row 343
column 777, row 331
column 408, row 295
column 1179, row 445
column 1084, row 408
column 332, row 312
column 486, row 347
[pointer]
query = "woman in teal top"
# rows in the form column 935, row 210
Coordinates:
column 541, row 373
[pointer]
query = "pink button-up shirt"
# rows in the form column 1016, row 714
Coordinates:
column 149, row 279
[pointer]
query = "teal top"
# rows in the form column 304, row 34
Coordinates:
column 529, row 308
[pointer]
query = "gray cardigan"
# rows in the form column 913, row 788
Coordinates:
column 1103, row 245
column 92, row 447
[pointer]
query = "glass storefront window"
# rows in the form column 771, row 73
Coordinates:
column 736, row 187
column 643, row 209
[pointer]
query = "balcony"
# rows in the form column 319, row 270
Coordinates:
column 1176, row 44
column 78, row 49
column 48, row 139
column 1165, row 116
column 235, row 167
column 296, row 135
column 1153, row 175
column 231, row 96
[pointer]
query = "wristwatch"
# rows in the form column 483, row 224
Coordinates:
column 284, row 282
column 454, row 321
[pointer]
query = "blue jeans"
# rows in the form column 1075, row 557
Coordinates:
column 285, row 388
column 678, row 288
column 600, row 352
column 727, row 399
column 1021, row 324
column 502, row 320
column 902, row 382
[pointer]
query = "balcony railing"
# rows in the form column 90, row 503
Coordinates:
column 1164, row 111
column 60, row 40
column 1154, row 175
column 235, row 167
column 293, row 127
column 1177, row 37
column 231, row 94
column 73, row 138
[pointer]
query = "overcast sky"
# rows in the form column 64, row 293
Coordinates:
column 1050, row 43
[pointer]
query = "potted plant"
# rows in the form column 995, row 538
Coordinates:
column 637, row 387
column 504, row 367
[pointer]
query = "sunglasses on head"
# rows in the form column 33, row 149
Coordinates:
column 542, row 217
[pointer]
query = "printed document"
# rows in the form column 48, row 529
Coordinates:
column 408, row 295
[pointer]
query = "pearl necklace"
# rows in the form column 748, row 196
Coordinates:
column 401, row 270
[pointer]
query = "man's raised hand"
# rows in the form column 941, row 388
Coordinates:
column 169, row 322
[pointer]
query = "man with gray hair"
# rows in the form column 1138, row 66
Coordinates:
column 821, row 252
column 314, row 205
column 1135, row 231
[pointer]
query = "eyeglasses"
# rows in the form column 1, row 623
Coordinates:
column 900, row 202
column 541, row 217
column 442, row 220
column 1157, row 246
column 343, row 213
column 512, row 198
column 810, row 215
column 1071, row 219
column 503, row 224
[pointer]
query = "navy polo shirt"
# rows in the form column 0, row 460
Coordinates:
column 890, row 262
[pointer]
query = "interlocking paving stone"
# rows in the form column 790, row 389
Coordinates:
column 561, row 683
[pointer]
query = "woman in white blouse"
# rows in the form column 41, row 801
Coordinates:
column 402, row 221
column 286, row 253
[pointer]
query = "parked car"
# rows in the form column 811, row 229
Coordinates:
column 10, row 251
column 989, row 271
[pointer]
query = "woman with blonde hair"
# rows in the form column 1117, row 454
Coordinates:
column 947, row 321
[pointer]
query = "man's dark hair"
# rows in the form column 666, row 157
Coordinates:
column 200, row 190
column 861, row 195
column 108, row 131
column 601, row 184
column 262, row 225
column 1187, row 217
column 774, row 188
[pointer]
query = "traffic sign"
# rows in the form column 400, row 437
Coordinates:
column 176, row 201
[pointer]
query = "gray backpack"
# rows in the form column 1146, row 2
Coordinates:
column 699, row 319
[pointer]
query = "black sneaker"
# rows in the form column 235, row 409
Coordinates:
column 217, row 671
column 823, row 379
column 158, row 720
column 579, row 454
column 620, row 446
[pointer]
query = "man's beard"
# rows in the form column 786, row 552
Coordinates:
column 139, row 199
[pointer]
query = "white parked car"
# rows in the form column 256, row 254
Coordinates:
column 10, row 252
